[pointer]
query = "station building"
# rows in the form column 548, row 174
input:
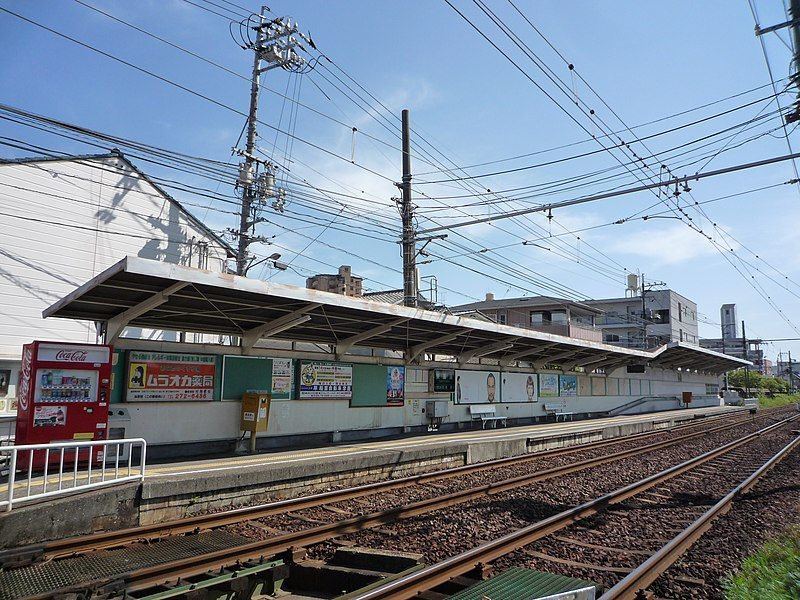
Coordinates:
column 343, row 368
column 337, row 367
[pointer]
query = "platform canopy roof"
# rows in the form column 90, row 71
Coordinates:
column 150, row 294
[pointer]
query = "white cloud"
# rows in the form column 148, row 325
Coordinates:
column 670, row 245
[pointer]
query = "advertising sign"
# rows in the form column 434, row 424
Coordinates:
column 281, row 375
column 548, row 385
column 477, row 387
column 49, row 416
column 519, row 387
column 72, row 353
column 442, row 380
column 395, row 386
column 325, row 380
column 160, row 376
column 5, row 379
column 568, row 385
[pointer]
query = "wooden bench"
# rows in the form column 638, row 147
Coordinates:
column 486, row 414
column 558, row 409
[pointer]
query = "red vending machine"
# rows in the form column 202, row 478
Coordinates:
column 63, row 395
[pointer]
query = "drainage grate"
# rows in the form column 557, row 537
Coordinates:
column 50, row 576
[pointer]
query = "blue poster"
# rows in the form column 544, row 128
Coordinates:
column 395, row 386
column 568, row 385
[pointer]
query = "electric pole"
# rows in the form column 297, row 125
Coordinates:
column 409, row 242
column 746, row 370
column 274, row 44
column 793, row 23
column 644, row 308
column 791, row 372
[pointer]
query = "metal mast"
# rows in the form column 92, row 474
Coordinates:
column 274, row 44
column 407, row 213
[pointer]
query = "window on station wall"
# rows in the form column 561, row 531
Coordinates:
column 501, row 317
column 559, row 317
column 680, row 312
column 611, row 337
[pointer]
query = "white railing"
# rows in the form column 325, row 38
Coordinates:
column 67, row 467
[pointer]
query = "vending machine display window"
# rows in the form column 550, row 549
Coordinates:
column 65, row 385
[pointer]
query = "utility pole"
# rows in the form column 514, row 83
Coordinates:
column 793, row 23
column 791, row 372
column 409, row 242
column 725, row 375
column 274, row 44
column 746, row 353
column 644, row 308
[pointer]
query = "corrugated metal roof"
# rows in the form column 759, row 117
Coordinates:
column 138, row 292
column 519, row 583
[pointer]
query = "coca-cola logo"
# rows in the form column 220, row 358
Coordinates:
column 25, row 379
column 72, row 355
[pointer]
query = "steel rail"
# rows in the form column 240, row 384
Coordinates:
column 151, row 576
column 69, row 546
column 442, row 572
column 651, row 569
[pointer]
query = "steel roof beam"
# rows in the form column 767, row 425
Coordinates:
column 116, row 324
column 507, row 360
column 555, row 358
column 415, row 351
column 344, row 346
column 465, row 357
column 584, row 362
column 276, row 326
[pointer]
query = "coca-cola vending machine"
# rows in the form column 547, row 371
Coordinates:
column 63, row 395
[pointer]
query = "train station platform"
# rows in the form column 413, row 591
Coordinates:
column 178, row 489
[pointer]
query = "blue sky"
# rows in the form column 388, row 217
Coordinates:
column 646, row 60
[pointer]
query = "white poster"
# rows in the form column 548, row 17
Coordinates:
column 477, row 387
column 281, row 375
column 519, row 387
column 325, row 380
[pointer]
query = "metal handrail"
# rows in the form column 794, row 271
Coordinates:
column 78, row 479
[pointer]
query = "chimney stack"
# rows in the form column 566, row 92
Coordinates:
column 489, row 297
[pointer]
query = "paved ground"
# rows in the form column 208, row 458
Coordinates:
column 538, row 431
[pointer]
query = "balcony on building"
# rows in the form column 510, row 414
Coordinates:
column 540, row 313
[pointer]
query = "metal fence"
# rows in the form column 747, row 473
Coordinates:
column 38, row 471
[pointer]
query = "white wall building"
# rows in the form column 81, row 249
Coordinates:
column 730, row 325
column 662, row 316
column 65, row 221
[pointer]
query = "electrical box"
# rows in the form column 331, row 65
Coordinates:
column 687, row 398
column 255, row 411
column 436, row 409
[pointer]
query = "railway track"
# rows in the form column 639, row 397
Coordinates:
column 110, row 539
column 205, row 562
column 703, row 467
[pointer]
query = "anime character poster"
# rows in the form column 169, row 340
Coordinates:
column 395, row 386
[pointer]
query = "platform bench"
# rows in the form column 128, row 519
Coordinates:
column 486, row 414
column 558, row 409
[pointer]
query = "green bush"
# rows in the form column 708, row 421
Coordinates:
column 778, row 400
column 772, row 573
